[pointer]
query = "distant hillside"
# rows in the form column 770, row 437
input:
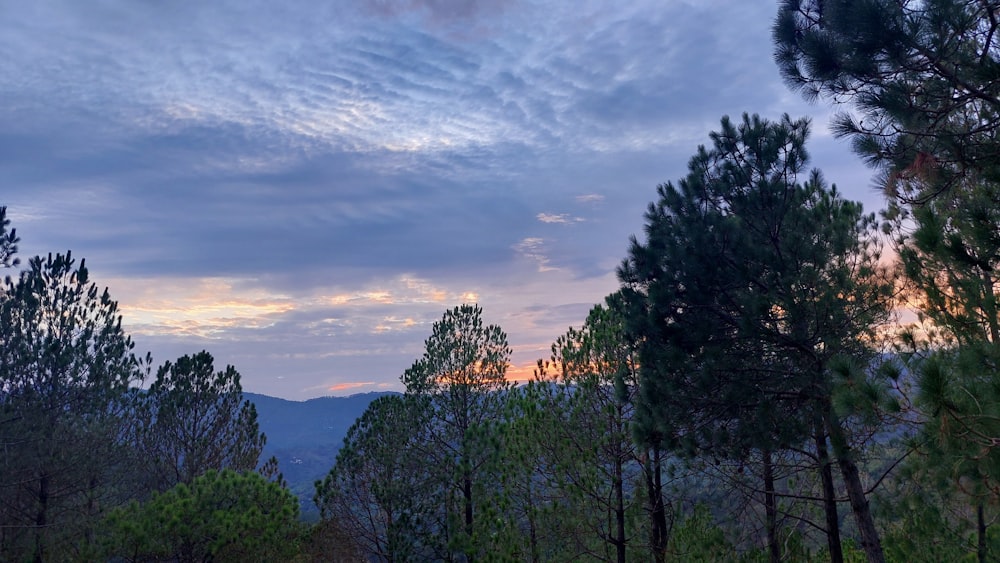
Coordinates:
column 305, row 436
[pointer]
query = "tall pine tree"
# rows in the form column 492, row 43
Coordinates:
column 65, row 370
column 749, row 286
column 463, row 375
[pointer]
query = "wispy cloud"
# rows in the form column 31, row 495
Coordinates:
column 561, row 218
column 305, row 187
column 394, row 323
column 521, row 373
column 533, row 248
column 590, row 198
column 349, row 386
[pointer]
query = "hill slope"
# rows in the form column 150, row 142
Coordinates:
column 305, row 436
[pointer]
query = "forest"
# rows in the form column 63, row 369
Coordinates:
column 781, row 375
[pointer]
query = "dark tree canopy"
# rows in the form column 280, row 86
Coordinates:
column 8, row 241
column 380, row 490
column 743, row 264
column 749, row 285
column 65, row 369
column 949, row 249
column 195, row 419
column 922, row 76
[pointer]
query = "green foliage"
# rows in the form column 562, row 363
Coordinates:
column 539, row 522
column 70, row 419
column 219, row 516
column 748, row 285
column 63, row 345
column 462, row 356
column 195, row 419
column 923, row 77
column 598, row 462
column 380, row 492
column 8, row 241
column 748, row 290
column 923, row 526
column 573, row 483
column 949, row 248
column 959, row 390
column 698, row 538
column 462, row 375
column 954, row 475
column 65, row 370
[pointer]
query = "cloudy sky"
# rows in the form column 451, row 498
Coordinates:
column 303, row 187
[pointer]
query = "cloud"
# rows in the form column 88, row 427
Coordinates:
column 305, row 187
column 533, row 248
column 561, row 218
column 590, row 198
column 339, row 387
column 394, row 323
column 215, row 307
column 521, row 373
column 441, row 12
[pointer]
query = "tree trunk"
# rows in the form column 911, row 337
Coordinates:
column 619, row 511
column 657, row 511
column 829, row 498
column 771, row 509
column 391, row 543
column 990, row 305
column 532, row 532
column 93, row 508
column 467, row 501
column 981, row 532
column 41, row 517
column 466, row 475
column 870, row 542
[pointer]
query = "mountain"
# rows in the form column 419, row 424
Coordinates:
column 305, row 437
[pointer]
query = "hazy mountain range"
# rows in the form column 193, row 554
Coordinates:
column 305, row 436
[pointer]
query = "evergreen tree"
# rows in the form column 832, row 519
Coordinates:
column 194, row 419
column 749, row 287
column 599, row 461
column 463, row 375
column 8, row 241
column 941, row 504
column 65, row 370
column 218, row 516
column 923, row 77
column 949, row 248
column 541, row 523
column 381, row 492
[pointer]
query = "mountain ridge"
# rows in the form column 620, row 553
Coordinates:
column 305, row 436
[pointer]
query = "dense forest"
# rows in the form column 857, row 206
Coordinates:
column 750, row 392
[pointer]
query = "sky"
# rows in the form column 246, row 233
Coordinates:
column 304, row 187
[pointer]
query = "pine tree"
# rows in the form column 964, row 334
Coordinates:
column 65, row 370
column 380, row 491
column 194, row 419
column 923, row 78
column 8, row 241
column 218, row 516
column 748, row 288
column 599, row 460
column 463, row 375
